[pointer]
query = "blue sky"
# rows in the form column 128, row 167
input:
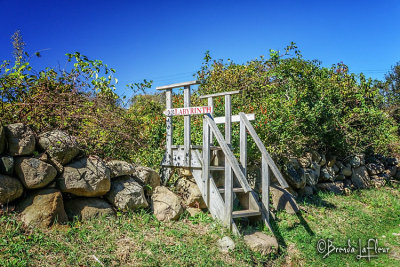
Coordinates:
column 166, row 40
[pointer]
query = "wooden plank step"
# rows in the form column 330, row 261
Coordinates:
column 245, row 213
column 235, row 190
column 195, row 147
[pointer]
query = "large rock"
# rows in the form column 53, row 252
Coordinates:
column 262, row 243
column 120, row 168
column 10, row 189
column 149, row 178
column 311, row 176
column 190, row 193
column 87, row 208
column 87, row 177
column 2, row 139
column 6, row 165
column 59, row 145
column 126, row 194
column 294, row 175
column 21, row 140
column 283, row 200
column 43, row 208
column 34, row 173
column 360, row 177
column 166, row 204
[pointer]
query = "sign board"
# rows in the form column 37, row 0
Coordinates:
column 188, row 111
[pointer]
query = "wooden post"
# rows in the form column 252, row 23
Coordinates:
column 228, row 167
column 187, row 141
column 206, row 161
column 210, row 102
column 166, row 171
column 243, row 147
column 265, row 174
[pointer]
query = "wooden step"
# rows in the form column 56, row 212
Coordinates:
column 235, row 190
column 245, row 213
column 216, row 168
column 195, row 147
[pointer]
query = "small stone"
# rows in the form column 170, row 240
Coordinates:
column 323, row 160
column 225, row 244
column 294, row 176
column 327, row 174
column 21, row 140
column 305, row 161
column 375, row 168
column 355, row 162
column 331, row 162
column 392, row 171
column 340, row 177
column 347, row 191
column 392, row 161
column 335, row 169
column 6, row 165
column 260, row 242
column 316, row 157
column 311, row 177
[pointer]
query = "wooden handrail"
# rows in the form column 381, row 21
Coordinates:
column 177, row 85
column 220, row 94
column 263, row 151
column 228, row 154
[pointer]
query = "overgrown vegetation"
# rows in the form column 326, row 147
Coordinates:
column 138, row 239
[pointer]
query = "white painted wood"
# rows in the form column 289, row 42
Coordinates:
column 264, row 152
column 245, row 213
column 220, row 94
column 187, row 130
column 265, row 178
column 188, row 111
column 206, row 162
column 234, row 118
column 177, row 85
column 243, row 147
column 228, row 169
column 229, row 154
column 210, row 102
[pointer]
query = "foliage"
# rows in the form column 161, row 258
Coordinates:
column 300, row 105
column 80, row 99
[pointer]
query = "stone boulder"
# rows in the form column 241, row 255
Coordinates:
column 149, row 178
column 10, row 189
column 312, row 175
column 190, row 193
column 43, row 208
column 6, row 165
column 283, row 200
column 34, row 173
column 21, row 140
column 87, row 208
column 357, row 161
column 262, row 243
column 59, row 145
column 294, row 176
column 126, row 194
column 87, row 177
column 360, row 177
column 2, row 140
column 347, row 170
column 120, row 168
column 225, row 244
column 166, row 204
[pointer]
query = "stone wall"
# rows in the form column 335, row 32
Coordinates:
column 315, row 171
column 46, row 179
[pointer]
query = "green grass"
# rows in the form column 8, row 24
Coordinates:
column 138, row 239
